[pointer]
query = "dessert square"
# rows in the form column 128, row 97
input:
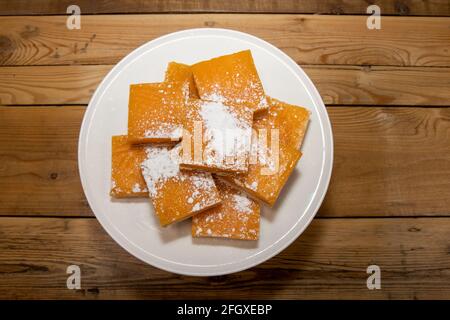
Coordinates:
column 291, row 120
column 231, row 78
column 216, row 137
column 176, row 195
column 156, row 111
column 179, row 72
column 263, row 182
column 237, row 217
column 126, row 177
column 282, row 129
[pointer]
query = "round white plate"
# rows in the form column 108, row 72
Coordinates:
column 132, row 224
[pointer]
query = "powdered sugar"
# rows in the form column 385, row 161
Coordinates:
column 162, row 164
column 198, row 231
column 214, row 96
column 159, row 166
column 226, row 133
column 242, row 203
column 136, row 188
column 263, row 104
column 165, row 131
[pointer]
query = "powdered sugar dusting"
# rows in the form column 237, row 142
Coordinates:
column 263, row 104
column 242, row 203
column 136, row 188
column 253, row 185
column 214, row 96
column 234, row 218
column 159, row 166
column 227, row 134
column 202, row 184
column 162, row 164
column 164, row 130
column 238, row 83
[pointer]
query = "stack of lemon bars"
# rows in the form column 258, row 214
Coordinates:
column 207, row 143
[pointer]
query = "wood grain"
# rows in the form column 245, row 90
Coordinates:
column 388, row 162
column 343, row 85
column 50, row 84
column 404, row 7
column 381, row 85
column 308, row 39
column 38, row 161
column 328, row 261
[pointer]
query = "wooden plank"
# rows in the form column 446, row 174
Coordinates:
column 381, row 85
column 388, row 162
column 50, row 84
column 308, row 39
column 343, row 85
column 404, row 7
column 328, row 261
column 38, row 161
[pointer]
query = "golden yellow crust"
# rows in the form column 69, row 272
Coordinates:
column 176, row 195
column 230, row 78
column 268, row 174
column 126, row 177
column 156, row 112
column 266, row 187
column 179, row 72
column 216, row 137
column 290, row 119
column 237, row 217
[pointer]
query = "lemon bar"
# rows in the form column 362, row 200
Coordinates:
column 291, row 120
column 156, row 112
column 126, row 177
column 216, row 137
column 231, row 78
column 179, row 72
column 237, row 217
column 279, row 133
column 176, row 195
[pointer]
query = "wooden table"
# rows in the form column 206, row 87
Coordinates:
column 387, row 93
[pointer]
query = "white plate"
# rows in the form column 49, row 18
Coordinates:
column 132, row 223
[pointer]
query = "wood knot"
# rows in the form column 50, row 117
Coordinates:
column 366, row 68
column 337, row 10
column 401, row 8
column 6, row 44
column 93, row 290
column 29, row 32
column 53, row 175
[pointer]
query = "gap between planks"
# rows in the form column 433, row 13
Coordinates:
column 308, row 39
column 338, row 85
column 388, row 7
column 328, row 260
column 388, row 162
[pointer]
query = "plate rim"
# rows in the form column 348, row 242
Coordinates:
column 293, row 233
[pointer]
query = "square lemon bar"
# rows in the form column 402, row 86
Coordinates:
column 176, row 195
column 237, row 217
column 216, row 137
column 179, row 72
column 156, row 112
column 279, row 134
column 230, row 78
column 126, row 177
